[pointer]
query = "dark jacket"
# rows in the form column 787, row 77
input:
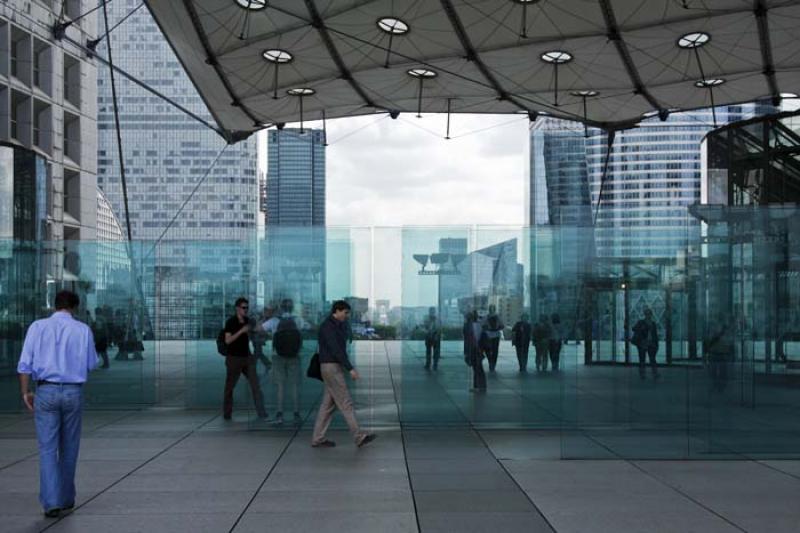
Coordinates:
column 333, row 343
column 645, row 334
column 522, row 333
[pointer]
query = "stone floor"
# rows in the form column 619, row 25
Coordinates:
column 174, row 471
column 179, row 467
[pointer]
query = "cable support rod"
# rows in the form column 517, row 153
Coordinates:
column 187, row 200
column 474, row 57
column 211, row 59
column 94, row 42
column 117, row 128
column 132, row 78
column 61, row 26
column 609, row 148
column 760, row 11
column 615, row 36
column 344, row 71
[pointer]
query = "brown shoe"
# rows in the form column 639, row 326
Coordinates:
column 367, row 439
column 324, row 444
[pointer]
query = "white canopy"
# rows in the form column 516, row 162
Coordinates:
column 604, row 62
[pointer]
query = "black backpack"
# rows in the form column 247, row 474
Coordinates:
column 222, row 348
column 287, row 340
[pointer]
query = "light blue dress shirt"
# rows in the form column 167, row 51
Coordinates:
column 58, row 349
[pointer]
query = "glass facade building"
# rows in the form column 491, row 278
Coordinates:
column 295, row 190
column 179, row 188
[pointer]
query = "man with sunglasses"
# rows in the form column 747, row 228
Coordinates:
column 239, row 360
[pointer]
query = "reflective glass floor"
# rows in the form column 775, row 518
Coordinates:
column 172, row 469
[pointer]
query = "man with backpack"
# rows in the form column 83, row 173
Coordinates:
column 287, row 341
column 234, row 344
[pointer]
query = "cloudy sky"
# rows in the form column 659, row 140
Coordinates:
column 384, row 172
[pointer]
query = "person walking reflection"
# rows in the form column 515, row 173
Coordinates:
column 542, row 333
column 433, row 339
column 474, row 338
column 238, row 360
column 556, row 342
column 719, row 350
column 494, row 332
column 645, row 338
column 521, row 340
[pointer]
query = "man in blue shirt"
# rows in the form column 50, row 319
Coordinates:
column 58, row 354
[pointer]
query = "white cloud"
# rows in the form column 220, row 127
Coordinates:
column 403, row 172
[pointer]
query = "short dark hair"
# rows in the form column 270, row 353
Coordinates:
column 339, row 305
column 287, row 305
column 67, row 300
column 240, row 301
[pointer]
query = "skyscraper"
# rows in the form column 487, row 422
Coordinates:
column 296, row 178
column 653, row 176
column 295, row 265
column 168, row 159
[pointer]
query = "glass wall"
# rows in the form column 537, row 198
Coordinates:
column 720, row 361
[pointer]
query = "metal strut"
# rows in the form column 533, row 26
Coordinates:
column 92, row 44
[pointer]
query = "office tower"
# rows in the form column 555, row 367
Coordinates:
column 168, row 157
column 559, row 187
column 653, row 177
column 47, row 128
column 296, row 178
column 296, row 237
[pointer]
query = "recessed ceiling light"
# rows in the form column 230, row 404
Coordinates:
column 301, row 91
column 276, row 55
column 393, row 25
column 557, row 57
column 705, row 84
column 252, row 5
column 694, row 40
column 587, row 94
column 422, row 73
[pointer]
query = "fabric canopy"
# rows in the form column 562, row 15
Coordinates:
column 607, row 63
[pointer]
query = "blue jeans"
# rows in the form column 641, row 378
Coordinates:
column 57, row 413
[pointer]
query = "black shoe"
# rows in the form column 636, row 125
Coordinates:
column 324, row 444
column 367, row 439
column 227, row 417
column 52, row 513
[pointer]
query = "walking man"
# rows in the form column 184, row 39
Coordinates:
column 474, row 339
column 333, row 363
column 239, row 360
column 57, row 355
column 433, row 339
column 542, row 334
column 645, row 337
column 494, row 331
column 287, row 341
column 521, row 339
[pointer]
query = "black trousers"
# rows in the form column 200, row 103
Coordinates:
column 646, row 352
column 522, row 355
column 432, row 348
column 478, row 374
column 555, row 354
column 494, row 350
column 234, row 367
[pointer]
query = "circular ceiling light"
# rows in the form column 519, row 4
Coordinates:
column 422, row 73
column 393, row 25
column 526, row 2
column 584, row 94
column 557, row 57
column 705, row 84
column 694, row 40
column 276, row 55
column 252, row 5
column 301, row 91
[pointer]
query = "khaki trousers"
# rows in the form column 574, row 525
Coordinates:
column 335, row 396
